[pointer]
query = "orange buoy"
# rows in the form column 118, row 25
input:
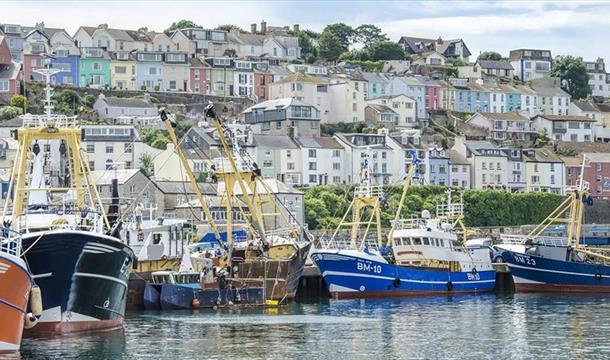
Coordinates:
column 195, row 302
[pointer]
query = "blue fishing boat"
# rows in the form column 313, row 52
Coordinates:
column 421, row 256
column 543, row 263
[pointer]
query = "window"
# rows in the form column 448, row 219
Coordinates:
column 152, row 71
column 128, row 148
column 120, row 69
column 128, row 165
column 278, row 124
column 109, row 148
column 598, row 167
column 96, row 66
column 336, row 166
column 574, row 125
column 312, row 178
column 132, row 189
column 553, row 179
column 312, row 153
column 336, row 153
column 4, row 86
column 90, row 148
column 172, row 85
column 313, row 166
column 290, row 166
column 91, row 165
column 267, row 163
column 196, row 74
column 573, row 137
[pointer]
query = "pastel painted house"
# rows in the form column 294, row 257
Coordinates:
column 94, row 68
column 403, row 106
column 414, row 89
column 35, row 50
column 176, row 73
column 122, row 70
column 14, row 35
column 149, row 71
column 66, row 56
column 10, row 74
column 515, row 126
column 200, row 73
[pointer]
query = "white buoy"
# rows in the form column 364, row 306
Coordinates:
column 36, row 300
column 30, row 321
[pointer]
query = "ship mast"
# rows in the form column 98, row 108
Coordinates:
column 51, row 127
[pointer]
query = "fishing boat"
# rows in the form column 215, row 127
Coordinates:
column 15, row 286
column 72, row 252
column 542, row 263
column 263, row 269
column 421, row 256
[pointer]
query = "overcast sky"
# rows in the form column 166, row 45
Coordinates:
column 578, row 28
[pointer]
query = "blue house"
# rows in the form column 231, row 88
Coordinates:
column 512, row 98
column 414, row 89
column 479, row 98
column 377, row 85
column 149, row 71
column 69, row 64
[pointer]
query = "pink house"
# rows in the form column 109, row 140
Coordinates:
column 597, row 173
column 200, row 73
column 10, row 72
column 512, row 125
column 433, row 93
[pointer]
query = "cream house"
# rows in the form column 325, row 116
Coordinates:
column 404, row 107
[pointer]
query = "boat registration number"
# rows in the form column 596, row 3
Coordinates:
column 525, row 260
column 369, row 267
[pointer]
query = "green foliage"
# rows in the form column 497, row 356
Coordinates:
column 490, row 55
column 89, row 100
column 344, row 33
column 155, row 138
column 230, row 27
column 367, row 34
column 564, row 151
column 9, row 112
column 19, row 101
column 230, row 53
column 573, row 74
column 452, row 72
column 308, row 50
column 67, row 101
column 331, row 129
column 385, row 50
column 182, row 24
column 460, row 62
column 147, row 165
column 325, row 205
column 330, row 47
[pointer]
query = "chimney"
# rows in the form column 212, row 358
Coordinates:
column 263, row 27
column 103, row 26
column 253, row 28
column 40, row 26
column 296, row 27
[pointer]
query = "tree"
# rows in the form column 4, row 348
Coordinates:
column 308, row 50
column 147, row 166
column 89, row 100
column 230, row 53
column 9, row 112
column 573, row 74
column 343, row 32
column 368, row 34
column 182, row 24
column 385, row 50
column 330, row 47
column 19, row 101
column 230, row 27
column 155, row 138
column 490, row 55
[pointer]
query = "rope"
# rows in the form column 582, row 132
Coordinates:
column 34, row 243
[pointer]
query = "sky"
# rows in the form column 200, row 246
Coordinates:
column 565, row 27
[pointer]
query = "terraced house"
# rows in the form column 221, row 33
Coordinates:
column 149, row 70
column 176, row 72
column 221, row 74
column 195, row 41
column 122, row 70
column 94, row 68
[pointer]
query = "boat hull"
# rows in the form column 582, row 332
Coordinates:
column 15, row 286
column 351, row 276
column 282, row 277
column 83, row 278
column 181, row 296
column 152, row 297
column 533, row 273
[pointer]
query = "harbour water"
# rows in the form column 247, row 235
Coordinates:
column 519, row 326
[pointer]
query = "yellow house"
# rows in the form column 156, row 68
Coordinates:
column 122, row 71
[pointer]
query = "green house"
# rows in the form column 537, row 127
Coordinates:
column 94, row 68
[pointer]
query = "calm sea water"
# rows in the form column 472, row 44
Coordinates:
column 462, row 327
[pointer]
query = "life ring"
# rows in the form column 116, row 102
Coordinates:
column 449, row 285
column 598, row 276
column 396, row 283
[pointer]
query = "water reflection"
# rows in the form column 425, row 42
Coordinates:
column 517, row 327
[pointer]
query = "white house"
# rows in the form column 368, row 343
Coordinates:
column 117, row 108
column 565, row 127
column 404, row 107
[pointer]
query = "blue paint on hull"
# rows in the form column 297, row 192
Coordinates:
column 350, row 276
column 181, row 296
column 531, row 272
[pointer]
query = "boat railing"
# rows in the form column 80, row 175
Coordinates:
column 410, row 223
column 451, row 211
column 368, row 191
column 543, row 240
column 53, row 120
column 10, row 242
column 63, row 219
column 223, row 165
